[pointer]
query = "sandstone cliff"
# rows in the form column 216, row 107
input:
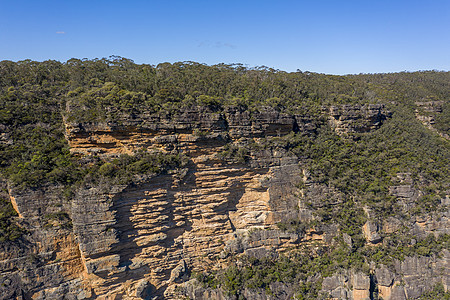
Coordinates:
column 144, row 240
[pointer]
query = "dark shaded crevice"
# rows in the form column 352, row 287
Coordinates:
column 231, row 223
column 373, row 288
column 295, row 127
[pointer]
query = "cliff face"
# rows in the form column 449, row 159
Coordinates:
column 136, row 240
column 155, row 231
column 357, row 118
column 427, row 112
column 46, row 263
column 144, row 240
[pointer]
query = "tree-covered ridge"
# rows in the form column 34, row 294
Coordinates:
column 174, row 82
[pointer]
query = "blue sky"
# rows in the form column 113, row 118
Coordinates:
column 334, row 37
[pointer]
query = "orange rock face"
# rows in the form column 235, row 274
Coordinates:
column 153, row 231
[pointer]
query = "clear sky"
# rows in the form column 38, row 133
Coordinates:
column 335, row 37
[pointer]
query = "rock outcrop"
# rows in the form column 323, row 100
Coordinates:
column 347, row 119
column 426, row 113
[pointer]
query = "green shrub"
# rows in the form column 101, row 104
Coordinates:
column 9, row 230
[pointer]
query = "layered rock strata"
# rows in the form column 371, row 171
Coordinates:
column 347, row 119
column 426, row 113
column 140, row 241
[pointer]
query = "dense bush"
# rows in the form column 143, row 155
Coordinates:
column 9, row 230
column 125, row 168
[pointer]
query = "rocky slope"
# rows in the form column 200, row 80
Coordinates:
column 144, row 240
